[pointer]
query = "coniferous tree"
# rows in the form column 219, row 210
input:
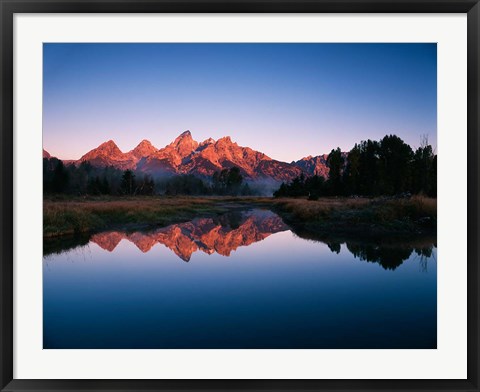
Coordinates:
column 60, row 177
column 394, row 165
column 424, row 169
column 335, row 163
column 351, row 175
column 128, row 185
column 368, row 184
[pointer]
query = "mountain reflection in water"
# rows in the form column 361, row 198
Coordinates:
column 220, row 235
column 224, row 234
column 281, row 288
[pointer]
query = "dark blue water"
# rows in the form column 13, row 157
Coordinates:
column 274, row 290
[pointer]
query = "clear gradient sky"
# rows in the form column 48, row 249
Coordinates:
column 286, row 100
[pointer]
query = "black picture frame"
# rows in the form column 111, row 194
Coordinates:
column 7, row 10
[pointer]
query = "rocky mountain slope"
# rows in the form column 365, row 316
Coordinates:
column 313, row 165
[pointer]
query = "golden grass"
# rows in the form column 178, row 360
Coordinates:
column 317, row 209
column 76, row 216
column 390, row 213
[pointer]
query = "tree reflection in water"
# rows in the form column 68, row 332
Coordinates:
column 225, row 233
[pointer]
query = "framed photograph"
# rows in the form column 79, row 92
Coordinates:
column 239, row 195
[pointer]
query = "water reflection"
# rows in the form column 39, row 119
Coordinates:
column 221, row 235
column 225, row 233
column 388, row 256
column 280, row 288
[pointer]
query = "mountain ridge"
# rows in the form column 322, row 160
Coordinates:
column 184, row 155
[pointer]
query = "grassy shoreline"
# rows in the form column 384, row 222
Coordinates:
column 346, row 216
column 361, row 217
column 62, row 216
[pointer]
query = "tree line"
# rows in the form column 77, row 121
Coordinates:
column 225, row 182
column 86, row 179
column 372, row 168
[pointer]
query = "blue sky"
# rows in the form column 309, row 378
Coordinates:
column 286, row 100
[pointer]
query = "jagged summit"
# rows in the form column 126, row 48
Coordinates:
column 108, row 144
column 107, row 149
column 208, row 141
column 186, row 133
column 184, row 136
column 184, row 144
column 143, row 143
column 226, row 140
column 144, row 149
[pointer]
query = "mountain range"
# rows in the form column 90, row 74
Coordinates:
column 187, row 156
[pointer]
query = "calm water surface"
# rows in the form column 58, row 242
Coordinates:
column 243, row 280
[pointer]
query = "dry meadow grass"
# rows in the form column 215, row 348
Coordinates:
column 63, row 216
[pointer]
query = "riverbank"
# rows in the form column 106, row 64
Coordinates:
column 62, row 216
column 362, row 216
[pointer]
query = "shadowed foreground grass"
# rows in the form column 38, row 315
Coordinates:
column 341, row 215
